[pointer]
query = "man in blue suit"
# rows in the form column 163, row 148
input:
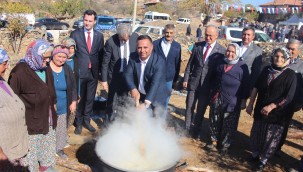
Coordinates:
column 145, row 75
column 89, row 51
column 171, row 50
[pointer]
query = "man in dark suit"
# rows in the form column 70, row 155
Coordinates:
column 145, row 75
column 89, row 51
column 117, row 50
column 197, row 76
column 171, row 50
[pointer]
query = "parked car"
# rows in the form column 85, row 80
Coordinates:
column 234, row 34
column 3, row 23
column 105, row 23
column 183, row 21
column 50, row 24
column 155, row 30
column 78, row 24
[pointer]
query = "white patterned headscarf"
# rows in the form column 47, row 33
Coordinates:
column 237, row 51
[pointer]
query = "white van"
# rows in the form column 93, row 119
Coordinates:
column 183, row 21
column 234, row 34
column 153, row 16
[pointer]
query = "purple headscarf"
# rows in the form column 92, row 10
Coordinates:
column 34, row 53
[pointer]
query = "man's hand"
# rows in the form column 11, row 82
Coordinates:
column 104, row 86
column 184, row 84
column 72, row 107
column 135, row 94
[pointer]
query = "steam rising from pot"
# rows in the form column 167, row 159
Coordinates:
column 139, row 142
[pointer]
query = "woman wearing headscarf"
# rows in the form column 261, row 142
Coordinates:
column 229, row 89
column 33, row 82
column 72, row 60
column 13, row 131
column 66, row 92
column 275, row 88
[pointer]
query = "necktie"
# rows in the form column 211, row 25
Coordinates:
column 89, row 46
column 205, row 53
column 124, row 60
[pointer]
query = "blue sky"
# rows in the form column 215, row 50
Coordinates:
column 255, row 2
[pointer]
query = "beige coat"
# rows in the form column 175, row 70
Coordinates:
column 13, row 130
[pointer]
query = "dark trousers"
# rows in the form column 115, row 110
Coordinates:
column 191, row 100
column 117, row 93
column 88, row 86
column 203, row 102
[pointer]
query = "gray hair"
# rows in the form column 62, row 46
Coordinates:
column 169, row 26
column 215, row 27
column 295, row 41
column 124, row 29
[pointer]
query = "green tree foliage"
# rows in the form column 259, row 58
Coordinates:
column 69, row 7
column 17, row 25
column 158, row 7
column 16, row 7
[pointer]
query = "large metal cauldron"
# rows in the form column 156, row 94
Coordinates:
column 106, row 167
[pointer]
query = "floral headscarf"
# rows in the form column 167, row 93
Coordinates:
column 237, row 51
column 275, row 71
column 3, row 56
column 34, row 54
column 285, row 53
column 68, row 42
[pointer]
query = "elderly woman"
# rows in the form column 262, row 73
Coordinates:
column 66, row 92
column 229, row 89
column 33, row 82
column 13, row 131
column 275, row 88
column 72, row 60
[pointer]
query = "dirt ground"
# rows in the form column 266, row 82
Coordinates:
column 195, row 155
column 83, row 158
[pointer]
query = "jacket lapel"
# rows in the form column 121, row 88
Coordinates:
column 94, row 41
column 248, row 51
column 148, row 67
column 160, row 48
column 138, row 68
column 82, row 36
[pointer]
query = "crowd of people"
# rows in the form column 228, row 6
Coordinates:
column 54, row 86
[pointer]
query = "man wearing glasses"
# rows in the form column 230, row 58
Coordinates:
column 196, row 78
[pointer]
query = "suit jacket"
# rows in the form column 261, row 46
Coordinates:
column 95, row 55
column 154, row 77
column 197, row 72
column 173, row 59
column 253, row 59
column 111, row 62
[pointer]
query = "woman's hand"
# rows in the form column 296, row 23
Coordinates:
column 267, row 109
column 72, row 107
